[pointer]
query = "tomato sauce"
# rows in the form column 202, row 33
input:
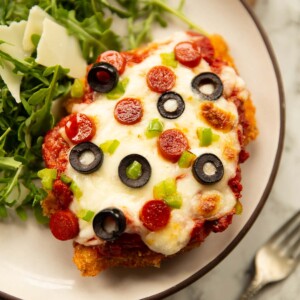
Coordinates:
column 217, row 65
column 244, row 155
column 199, row 232
column 235, row 184
column 55, row 149
column 136, row 56
column 62, row 193
column 221, row 224
column 204, row 45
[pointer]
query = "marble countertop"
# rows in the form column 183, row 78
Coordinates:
column 281, row 21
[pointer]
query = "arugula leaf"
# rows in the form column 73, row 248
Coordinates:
column 121, row 13
column 178, row 13
column 42, row 120
column 21, row 212
column 22, row 127
column 144, row 14
column 93, row 32
column 3, row 211
column 9, row 163
column 38, row 213
column 14, row 10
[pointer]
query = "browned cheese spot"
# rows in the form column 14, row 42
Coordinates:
column 209, row 203
column 229, row 152
column 216, row 117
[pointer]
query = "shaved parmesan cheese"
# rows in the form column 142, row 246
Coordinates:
column 13, row 36
column 56, row 47
column 34, row 26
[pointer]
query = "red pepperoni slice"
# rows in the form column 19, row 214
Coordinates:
column 80, row 128
column 161, row 79
column 64, row 225
column 187, row 54
column 114, row 58
column 155, row 215
column 128, row 111
column 204, row 45
column 172, row 143
column 62, row 193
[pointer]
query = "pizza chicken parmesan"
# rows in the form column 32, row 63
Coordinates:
column 147, row 162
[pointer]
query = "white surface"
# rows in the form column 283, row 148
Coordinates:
column 34, row 264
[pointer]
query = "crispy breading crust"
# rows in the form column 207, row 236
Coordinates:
column 128, row 251
column 90, row 261
column 250, row 129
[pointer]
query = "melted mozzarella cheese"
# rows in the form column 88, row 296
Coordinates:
column 171, row 238
column 103, row 188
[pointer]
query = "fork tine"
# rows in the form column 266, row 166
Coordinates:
column 290, row 236
column 294, row 250
column 298, row 257
column 280, row 233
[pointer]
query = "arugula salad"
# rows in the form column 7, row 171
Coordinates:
column 28, row 86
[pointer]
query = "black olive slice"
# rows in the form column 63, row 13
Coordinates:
column 202, row 175
column 146, row 170
column 170, row 96
column 77, row 160
column 109, row 224
column 208, row 78
column 103, row 77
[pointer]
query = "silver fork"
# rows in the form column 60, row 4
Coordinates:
column 278, row 258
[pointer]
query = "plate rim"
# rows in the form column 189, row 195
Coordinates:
column 196, row 276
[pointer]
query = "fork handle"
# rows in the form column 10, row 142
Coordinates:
column 254, row 287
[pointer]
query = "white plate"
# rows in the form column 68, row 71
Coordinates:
column 33, row 265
